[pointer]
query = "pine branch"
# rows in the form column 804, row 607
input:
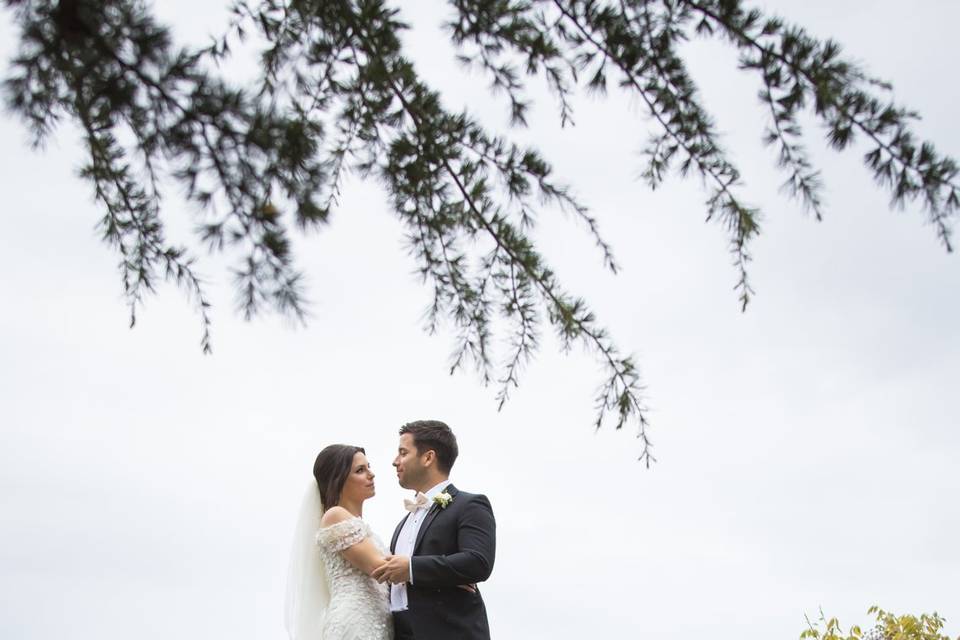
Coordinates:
column 803, row 181
column 699, row 145
column 896, row 161
column 571, row 317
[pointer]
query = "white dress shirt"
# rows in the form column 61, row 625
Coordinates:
column 406, row 542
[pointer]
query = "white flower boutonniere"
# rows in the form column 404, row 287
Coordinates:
column 443, row 500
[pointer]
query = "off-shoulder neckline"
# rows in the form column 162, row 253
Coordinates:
column 337, row 524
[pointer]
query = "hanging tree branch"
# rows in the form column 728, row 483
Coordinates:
column 258, row 160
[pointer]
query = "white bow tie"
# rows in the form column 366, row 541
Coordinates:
column 419, row 502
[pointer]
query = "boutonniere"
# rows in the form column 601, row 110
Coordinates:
column 443, row 500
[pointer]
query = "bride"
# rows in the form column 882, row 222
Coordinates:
column 330, row 594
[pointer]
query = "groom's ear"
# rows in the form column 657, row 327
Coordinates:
column 429, row 457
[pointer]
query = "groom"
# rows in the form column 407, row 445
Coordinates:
column 443, row 547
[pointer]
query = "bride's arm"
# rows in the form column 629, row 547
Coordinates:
column 363, row 555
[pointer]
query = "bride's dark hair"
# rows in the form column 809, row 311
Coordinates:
column 331, row 470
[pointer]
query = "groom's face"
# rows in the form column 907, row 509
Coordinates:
column 410, row 471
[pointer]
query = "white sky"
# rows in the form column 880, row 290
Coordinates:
column 807, row 448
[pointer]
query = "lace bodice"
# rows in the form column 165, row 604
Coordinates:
column 359, row 606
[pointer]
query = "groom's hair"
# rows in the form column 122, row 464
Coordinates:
column 331, row 469
column 436, row 435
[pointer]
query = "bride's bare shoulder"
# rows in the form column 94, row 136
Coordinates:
column 334, row 515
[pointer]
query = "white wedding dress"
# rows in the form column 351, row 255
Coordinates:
column 359, row 607
column 327, row 597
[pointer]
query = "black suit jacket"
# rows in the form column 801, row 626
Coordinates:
column 455, row 546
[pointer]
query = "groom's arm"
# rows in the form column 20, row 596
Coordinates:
column 476, row 541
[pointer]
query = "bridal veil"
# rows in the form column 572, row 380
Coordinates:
column 308, row 586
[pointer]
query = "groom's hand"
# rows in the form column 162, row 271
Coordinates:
column 394, row 570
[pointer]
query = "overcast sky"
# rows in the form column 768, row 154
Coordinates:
column 807, row 447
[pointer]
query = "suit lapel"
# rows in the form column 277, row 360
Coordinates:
column 431, row 515
column 396, row 534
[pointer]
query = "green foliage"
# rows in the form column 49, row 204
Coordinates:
column 889, row 626
column 338, row 94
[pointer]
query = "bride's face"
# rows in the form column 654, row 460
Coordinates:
column 359, row 484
